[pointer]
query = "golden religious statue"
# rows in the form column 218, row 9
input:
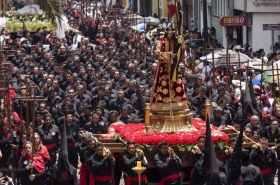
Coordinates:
column 168, row 103
column 168, row 90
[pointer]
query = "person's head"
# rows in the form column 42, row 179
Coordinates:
column 232, row 142
column 254, row 120
column 101, row 90
column 120, row 94
column 201, row 142
column 169, row 33
column 255, row 136
column 263, row 142
column 27, row 148
column 81, row 133
column 91, row 142
column 99, row 147
column 38, row 116
column 131, row 149
column 37, row 139
column 113, row 116
column 51, row 92
column 248, row 131
column 218, row 111
column 236, row 124
column 202, row 110
column 95, row 118
column 48, row 120
column 201, row 92
column 80, row 90
column 274, row 124
column 277, row 111
column 69, row 116
column 163, row 147
column 71, row 93
column 221, row 92
column 124, row 111
column 23, row 137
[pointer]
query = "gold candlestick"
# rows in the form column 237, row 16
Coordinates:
column 147, row 114
column 139, row 171
column 207, row 108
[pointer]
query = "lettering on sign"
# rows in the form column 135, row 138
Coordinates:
column 266, row 3
column 234, row 21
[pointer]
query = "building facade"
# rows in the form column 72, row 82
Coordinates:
column 260, row 12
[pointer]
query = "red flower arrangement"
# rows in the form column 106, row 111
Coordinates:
column 183, row 140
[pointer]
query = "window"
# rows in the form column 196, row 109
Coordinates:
column 220, row 7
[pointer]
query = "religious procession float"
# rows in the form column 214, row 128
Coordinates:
column 31, row 15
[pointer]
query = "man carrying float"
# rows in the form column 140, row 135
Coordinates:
column 168, row 164
column 130, row 160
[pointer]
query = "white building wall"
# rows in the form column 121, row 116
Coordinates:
column 261, row 38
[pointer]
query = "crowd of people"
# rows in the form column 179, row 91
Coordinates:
column 93, row 78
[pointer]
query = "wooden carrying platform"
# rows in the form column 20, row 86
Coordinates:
column 247, row 142
column 152, row 171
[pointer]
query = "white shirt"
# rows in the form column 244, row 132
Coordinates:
column 77, row 39
column 3, row 39
column 206, row 68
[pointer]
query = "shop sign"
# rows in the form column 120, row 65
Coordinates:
column 234, row 21
column 266, row 3
column 271, row 26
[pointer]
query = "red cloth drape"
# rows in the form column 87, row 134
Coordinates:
column 38, row 162
column 43, row 152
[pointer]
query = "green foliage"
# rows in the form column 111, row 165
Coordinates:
column 31, row 26
column 181, row 148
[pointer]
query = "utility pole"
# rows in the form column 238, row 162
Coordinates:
column 205, row 26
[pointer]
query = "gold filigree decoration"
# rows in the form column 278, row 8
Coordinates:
column 165, row 91
column 178, row 89
column 166, row 100
column 169, row 45
column 159, row 97
column 163, row 83
column 159, row 89
column 179, row 81
column 166, row 106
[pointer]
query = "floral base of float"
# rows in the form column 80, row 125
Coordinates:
column 179, row 141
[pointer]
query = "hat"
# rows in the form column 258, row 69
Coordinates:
column 236, row 82
column 22, row 40
column 258, row 64
column 238, row 47
column 218, row 108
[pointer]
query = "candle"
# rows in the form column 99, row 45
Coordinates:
column 139, row 164
column 25, row 14
column 37, row 14
column 147, row 114
column 15, row 14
